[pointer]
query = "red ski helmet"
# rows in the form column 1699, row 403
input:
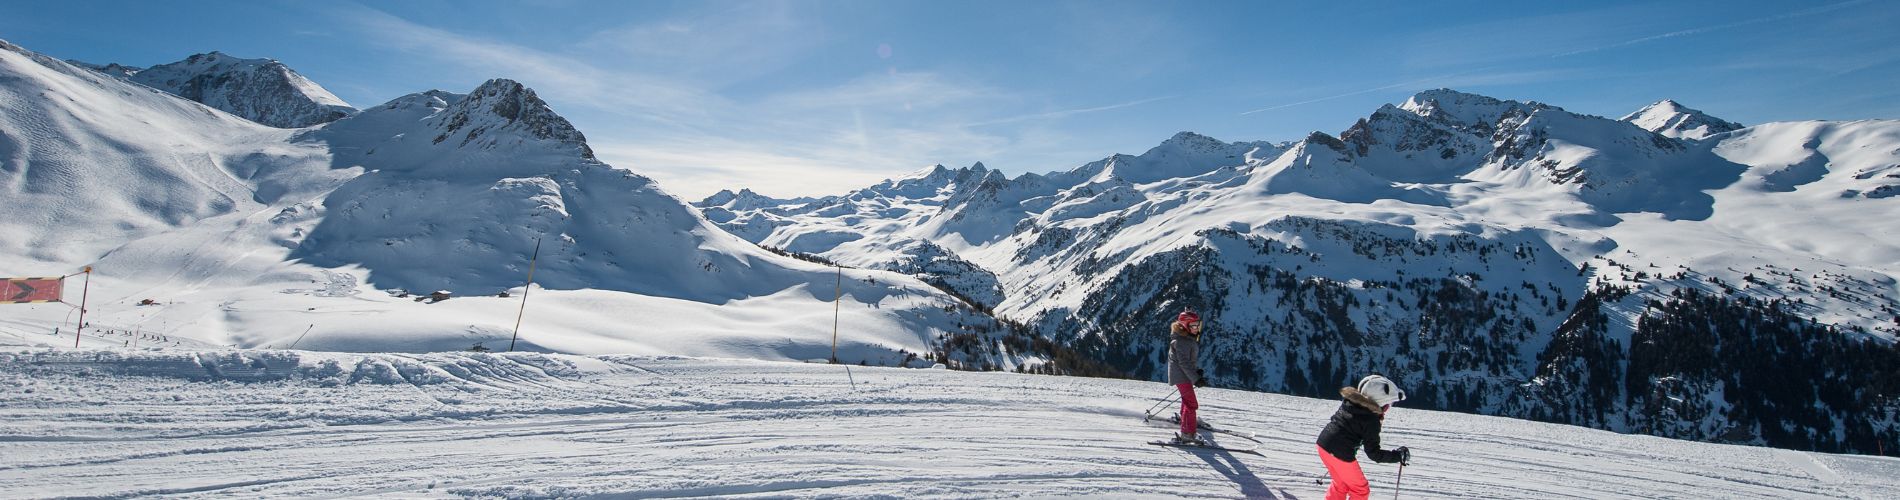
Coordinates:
column 1188, row 317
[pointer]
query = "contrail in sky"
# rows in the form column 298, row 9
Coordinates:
column 1067, row 112
column 1688, row 32
column 1706, row 29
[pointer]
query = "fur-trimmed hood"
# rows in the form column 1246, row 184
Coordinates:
column 1364, row 401
column 1182, row 331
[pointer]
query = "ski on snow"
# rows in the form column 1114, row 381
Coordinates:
column 1175, row 421
column 1192, row 446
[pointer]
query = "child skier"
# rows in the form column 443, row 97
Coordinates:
column 1357, row 422
column 1184, row 372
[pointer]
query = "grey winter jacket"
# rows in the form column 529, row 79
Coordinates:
column 1184, row 359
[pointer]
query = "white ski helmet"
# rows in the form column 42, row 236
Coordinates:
column 1381, row 390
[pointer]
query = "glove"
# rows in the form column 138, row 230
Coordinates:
column 1405, row 455
column 1199, row 381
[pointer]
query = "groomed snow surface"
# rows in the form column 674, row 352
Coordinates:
column 260, row 423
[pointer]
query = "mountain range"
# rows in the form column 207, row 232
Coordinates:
column 1668, row 273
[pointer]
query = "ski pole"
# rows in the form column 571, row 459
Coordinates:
column 1165, row 400
column 1150, row 414
column 1396, row 482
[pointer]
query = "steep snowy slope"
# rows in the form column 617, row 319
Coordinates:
column 552, row 426
column 1811, row 219
column 261, row 90
column 245, row 235
column 88, row 162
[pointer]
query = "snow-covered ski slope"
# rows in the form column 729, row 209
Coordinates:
column 251, row 424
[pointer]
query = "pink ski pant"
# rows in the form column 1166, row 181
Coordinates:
column 1189, row 406
column 1349, row 482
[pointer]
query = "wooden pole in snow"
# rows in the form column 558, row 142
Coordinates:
column 836, row 304
column 524, row 294
column 84, row 292
column 306, row 331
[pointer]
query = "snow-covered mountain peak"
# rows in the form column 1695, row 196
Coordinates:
column 458, row 131
column 1186, row 154
column 937, row 170
column 1466, row 110
column 745, row 199
column 1190, row 143
column 722, row 197
column 1672, row 119
column 929, row 182
column 1193, row 142
column 504, row 112
column 1325, row 140
column 478, row 179
column 261, row 90
column 436, row 99
column 1322, row 167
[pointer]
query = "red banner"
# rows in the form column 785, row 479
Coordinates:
column 30, row 290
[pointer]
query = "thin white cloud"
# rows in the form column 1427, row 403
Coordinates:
column 573, row 79
column 1459, row 52
column 919, row 90
column 714, row 48
column 1069, row 112
column 1527, row 40
column 1495, row 42
column 1706, row 29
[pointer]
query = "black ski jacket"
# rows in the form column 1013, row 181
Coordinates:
column 1357, row 421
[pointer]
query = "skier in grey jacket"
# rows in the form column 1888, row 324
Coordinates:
column 1184, row 372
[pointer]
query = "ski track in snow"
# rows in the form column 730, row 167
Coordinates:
column 73, row 424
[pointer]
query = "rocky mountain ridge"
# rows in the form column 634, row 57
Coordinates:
column 261, row 90
column 1502, row 257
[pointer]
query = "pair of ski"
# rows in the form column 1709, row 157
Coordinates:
column 1202, row 426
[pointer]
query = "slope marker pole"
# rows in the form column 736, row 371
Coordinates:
column 837, row 304
column 524, row 295
column 84, row 292
column 306, row 331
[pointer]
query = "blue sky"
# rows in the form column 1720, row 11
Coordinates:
column 814, row 98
